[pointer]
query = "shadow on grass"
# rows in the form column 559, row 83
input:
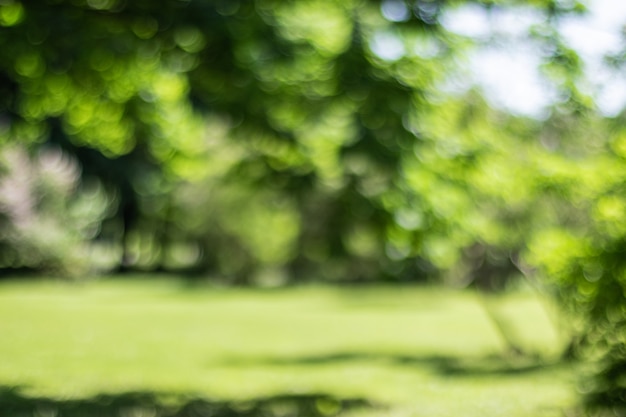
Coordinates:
column 490, row 365
column 142, row 404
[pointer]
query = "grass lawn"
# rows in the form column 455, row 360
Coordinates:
column 404, row 351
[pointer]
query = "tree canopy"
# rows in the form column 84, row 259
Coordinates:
column 359, row 157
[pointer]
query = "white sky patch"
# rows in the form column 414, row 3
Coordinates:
column 612, row 95
column 510, row 76
column 470, row 20
column 515, row 22
column 511, row 80
column 593, row 36
column 395, row 10
column 387, row 46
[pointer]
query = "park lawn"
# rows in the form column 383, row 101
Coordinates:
column 409, row 351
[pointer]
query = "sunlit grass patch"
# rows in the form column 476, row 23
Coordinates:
column 417, row 351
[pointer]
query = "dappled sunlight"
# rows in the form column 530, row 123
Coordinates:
column 11, row 13
column 377, row 343
column 325, row 26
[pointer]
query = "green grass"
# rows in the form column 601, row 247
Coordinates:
column 412, row 351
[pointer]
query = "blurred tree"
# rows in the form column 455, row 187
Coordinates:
column 326, row 105
column 581, row 253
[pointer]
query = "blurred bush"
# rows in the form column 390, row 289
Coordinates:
column 49, row 216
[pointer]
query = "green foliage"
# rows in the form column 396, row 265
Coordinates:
column 295, row 103
column 581, row 254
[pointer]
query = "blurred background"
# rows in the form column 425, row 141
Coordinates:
column 478, row 145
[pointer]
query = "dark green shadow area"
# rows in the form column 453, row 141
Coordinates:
column 454, row 366
column 13, row 403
